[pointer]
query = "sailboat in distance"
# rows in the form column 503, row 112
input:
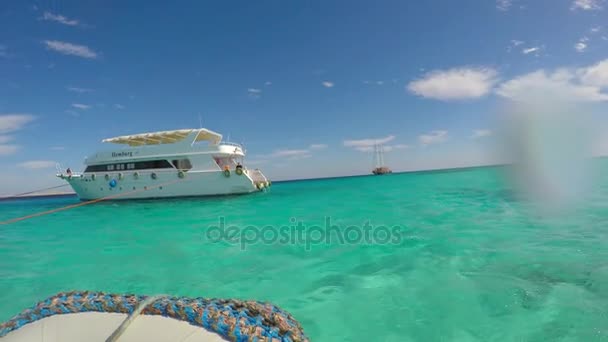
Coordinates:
column 379, row 167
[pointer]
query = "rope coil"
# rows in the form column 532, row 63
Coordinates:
column 234, row 320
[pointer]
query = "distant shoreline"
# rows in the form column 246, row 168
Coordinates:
column 448, row 169
column 35, row 196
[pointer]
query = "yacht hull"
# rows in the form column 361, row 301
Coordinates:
column 161, row 184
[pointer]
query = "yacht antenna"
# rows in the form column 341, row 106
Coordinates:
column 200, row 121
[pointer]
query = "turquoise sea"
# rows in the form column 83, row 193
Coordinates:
column 465, row 258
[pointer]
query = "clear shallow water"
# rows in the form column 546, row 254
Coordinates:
column 472, row 263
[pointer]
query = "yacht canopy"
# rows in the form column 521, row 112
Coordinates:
column 166, row 137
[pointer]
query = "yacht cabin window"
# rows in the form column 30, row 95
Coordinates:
column 182, row 164
column 142, row 165
column 222, row 162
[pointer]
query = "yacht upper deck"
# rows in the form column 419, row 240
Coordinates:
column 167, row 137
column 165, row 144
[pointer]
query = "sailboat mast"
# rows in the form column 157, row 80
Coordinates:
column 376, row 156
column 379, row 168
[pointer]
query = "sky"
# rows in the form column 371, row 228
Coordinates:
column 306, row 86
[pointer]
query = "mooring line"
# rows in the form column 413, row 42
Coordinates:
column 81, row 204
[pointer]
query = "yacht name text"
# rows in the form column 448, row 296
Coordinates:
column 122, row 154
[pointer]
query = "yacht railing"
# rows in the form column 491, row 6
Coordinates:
column 230, row 144
column 257, row 176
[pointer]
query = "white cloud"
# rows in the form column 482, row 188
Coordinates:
column 587, row 5
column 580, row 46
column 317, row 146
column 580, row 85
column 401, row 146
column 254, row 93
column 70, row 49
column 59, row 18
column 595, row 75
column 256, row 161
column 481, row 133
column 379, row 83
column 80, row 106
column 434, row 137
column 454, row 84
column 514, row 43
column 57, row 148
column 364, row 148
column 6, row 150
column 595, row 29
column 389, row 148
column 366, row 145
column 503, row 5
column 119, row 106
column 38, row 164
column 13, row 122
column 268, row 83
column 79, row 90
column 291, row 154
column 328, row 84
column 530, row 50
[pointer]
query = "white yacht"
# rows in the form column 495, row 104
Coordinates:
column 186, row 162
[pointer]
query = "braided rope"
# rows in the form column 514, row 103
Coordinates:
column 234, row 320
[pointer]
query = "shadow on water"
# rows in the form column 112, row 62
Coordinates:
column 177, row 200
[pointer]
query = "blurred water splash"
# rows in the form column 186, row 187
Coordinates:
column 549, row 146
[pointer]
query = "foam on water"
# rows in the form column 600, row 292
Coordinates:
column 474, row 262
